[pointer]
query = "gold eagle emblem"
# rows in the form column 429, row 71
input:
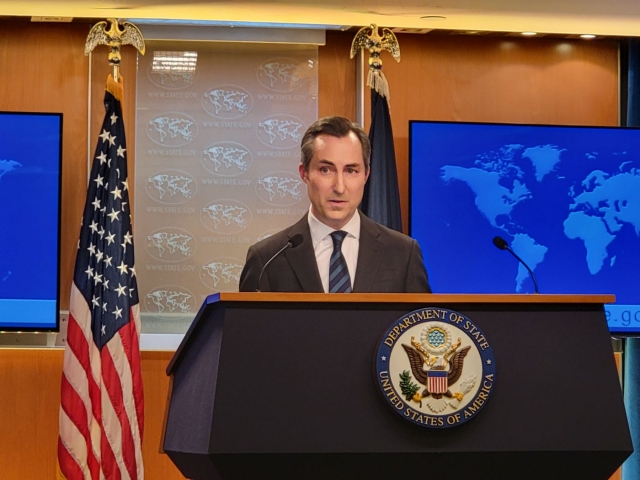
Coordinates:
column 114, row 34
column 453, row 360
column 369, row 38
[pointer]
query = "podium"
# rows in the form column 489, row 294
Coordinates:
column 281, row 386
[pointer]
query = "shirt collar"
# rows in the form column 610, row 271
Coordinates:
column 319, row 231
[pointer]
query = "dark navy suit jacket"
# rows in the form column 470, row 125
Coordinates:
column 388, row 262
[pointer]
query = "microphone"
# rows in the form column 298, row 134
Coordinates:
column 293, row 242
column 502, row 244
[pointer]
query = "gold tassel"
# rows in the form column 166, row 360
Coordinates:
column 377, row 81
column 116, row 89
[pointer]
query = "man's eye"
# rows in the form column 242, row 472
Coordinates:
column 324, row 169
column 351, row 170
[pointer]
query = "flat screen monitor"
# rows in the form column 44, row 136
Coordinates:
column 565, row 199
column 30, row 181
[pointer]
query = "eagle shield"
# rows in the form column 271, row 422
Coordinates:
column 437, row 381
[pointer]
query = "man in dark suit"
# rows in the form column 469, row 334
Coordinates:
column 335, row 247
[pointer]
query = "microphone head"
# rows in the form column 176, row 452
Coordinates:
column 501, row 243
column 296, row 240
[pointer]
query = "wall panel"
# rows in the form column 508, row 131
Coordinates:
column 30, row 402
column 336, row 77
column 45, row 70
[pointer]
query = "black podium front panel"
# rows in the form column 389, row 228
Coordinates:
column 287, row 391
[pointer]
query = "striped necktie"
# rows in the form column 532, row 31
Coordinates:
column 339, row 281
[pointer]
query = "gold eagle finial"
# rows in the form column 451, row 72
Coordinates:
column 114, row 34
column 369, row 38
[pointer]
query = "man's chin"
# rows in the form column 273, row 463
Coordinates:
column 340, row 218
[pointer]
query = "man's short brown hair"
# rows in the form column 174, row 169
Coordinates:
column 333, row 126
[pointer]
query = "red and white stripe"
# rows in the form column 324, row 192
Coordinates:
column 101, row 405
column 437, row 384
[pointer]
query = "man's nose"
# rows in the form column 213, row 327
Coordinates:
column 338, row 184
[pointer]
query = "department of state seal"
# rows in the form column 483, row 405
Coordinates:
column 435, row 367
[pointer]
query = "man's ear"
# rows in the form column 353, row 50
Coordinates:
column 367, row 174
column 303, row 173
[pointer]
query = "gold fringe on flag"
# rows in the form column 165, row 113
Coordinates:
column 116, row 88
column 377, row 81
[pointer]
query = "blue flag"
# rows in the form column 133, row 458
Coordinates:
column 381, row 200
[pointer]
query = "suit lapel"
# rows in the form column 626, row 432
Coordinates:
column 302, row 259
column 370, row 255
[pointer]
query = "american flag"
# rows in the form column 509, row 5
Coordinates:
column 101, row 405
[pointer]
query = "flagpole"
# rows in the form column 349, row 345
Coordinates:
column 360, row 88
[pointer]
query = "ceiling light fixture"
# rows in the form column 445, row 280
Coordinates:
column 436, row 18
column 588, row 36
column 529, row 34
column 174, row 63
column 221, row 23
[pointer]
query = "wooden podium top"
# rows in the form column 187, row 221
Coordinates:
column 439, row 298
column 382, row 298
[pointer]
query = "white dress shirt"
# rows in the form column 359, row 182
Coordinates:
column 323, row 246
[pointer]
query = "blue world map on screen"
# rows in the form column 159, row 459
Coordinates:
column 30, row 158
column 566, row 199
column 7, row 166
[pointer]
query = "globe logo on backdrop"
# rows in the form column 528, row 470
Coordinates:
column 172, row 129
column 227, row 159
column 280, row 188
column 170, row 244
column 280, row 131
column 222, row 274
column 226, row 216
column 171, row 187
column 227, row 102
column 170, row 79
column 170, row 299
column 280, row 75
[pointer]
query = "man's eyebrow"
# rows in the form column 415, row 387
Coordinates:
column 325, row 162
